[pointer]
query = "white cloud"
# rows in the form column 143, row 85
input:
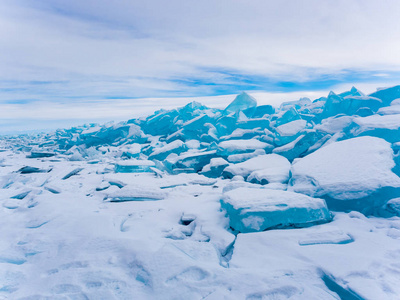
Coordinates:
column 103, row 48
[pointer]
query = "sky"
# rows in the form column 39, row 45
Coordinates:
column 66, row 62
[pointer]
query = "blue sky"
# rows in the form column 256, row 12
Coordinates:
column 62, row 54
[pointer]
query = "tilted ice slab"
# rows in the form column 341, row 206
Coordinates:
column 262, row 169
column 354, row 174
column 230, row 147
column 134, row 166
column 251, row 210
column 135, row 194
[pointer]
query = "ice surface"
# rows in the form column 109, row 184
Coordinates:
column 351, row 174
column 252, row 210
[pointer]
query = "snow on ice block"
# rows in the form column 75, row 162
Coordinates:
column 298, row 147
column 135, row 194
column 354, row 174
column 386, row 127
column 134, row 166
column 230, row 147
column 389, row 110
column 189, row 161
column 292, row 128
column 262, row 169
column 241, row 102
column 238, row 158
column 174, row 147
column 251, row 210
column 215, row 167
column 289, row 131
column 276, row 169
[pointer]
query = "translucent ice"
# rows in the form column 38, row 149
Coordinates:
column 241, row 102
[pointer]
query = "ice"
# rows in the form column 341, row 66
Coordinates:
column 134, row 194
column 393, row 206
column 29, row 170
column 350, row 104
column 41, row 154
column 133, row 166
column 288, row 132
column 354, row 174
column 72, row 173
column 287, row 116
column 244, row 134
column 298, row 147
column 251, row 210
column 241, row 102
column 226, row 148
column 255, row 123
column 262, row 110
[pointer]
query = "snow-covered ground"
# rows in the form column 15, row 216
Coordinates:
column 192, row 204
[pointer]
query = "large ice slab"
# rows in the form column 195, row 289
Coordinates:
column 251, row 210
column 386, row 127
column 352, row 174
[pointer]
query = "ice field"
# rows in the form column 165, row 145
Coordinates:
column 300, row 201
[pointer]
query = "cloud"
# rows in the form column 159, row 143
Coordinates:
column 72, row 51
